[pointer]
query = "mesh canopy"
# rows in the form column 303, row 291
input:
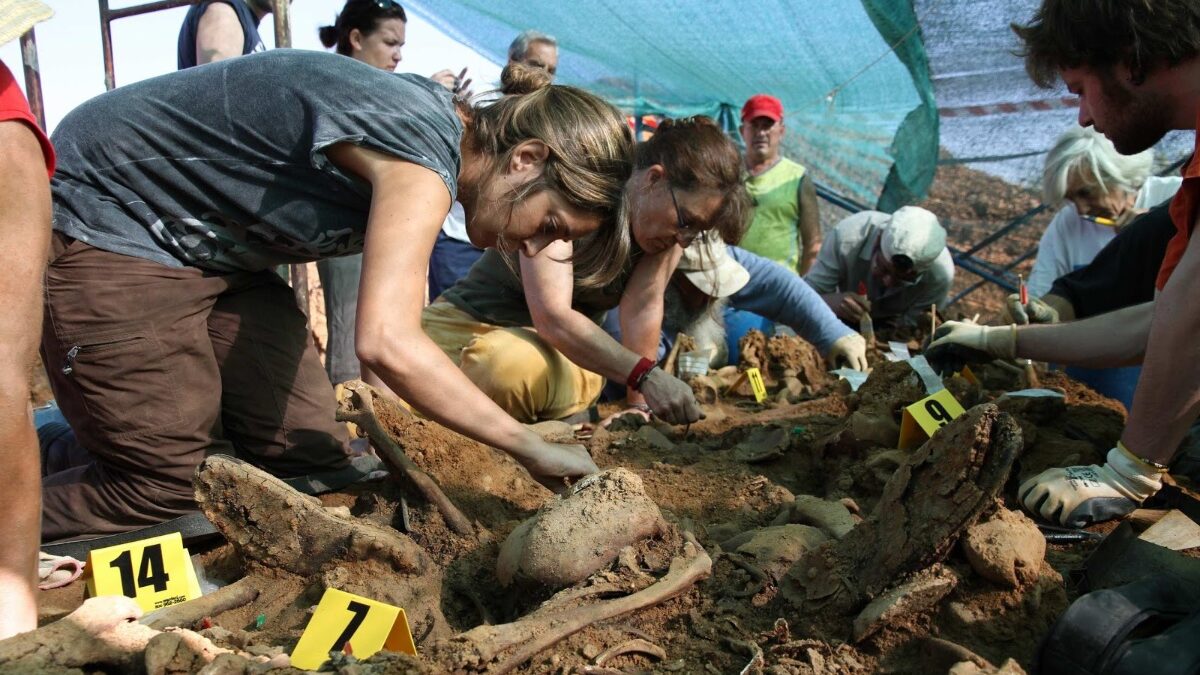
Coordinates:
column 859, row 114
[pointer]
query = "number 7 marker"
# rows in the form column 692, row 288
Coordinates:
column 343, row 619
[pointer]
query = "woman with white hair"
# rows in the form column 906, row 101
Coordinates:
column 1101, row 190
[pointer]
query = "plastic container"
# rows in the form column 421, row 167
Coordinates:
column 691, row 364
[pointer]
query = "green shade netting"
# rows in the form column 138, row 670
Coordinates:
column 860, row 114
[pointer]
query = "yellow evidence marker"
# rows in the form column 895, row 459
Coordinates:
column 923, row 418
column 969, row 375
column 156, row 572
column 756, row 384
column 344, row 618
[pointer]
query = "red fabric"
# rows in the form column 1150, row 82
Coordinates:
column 634, row 381
column 1184, row 208
column 13, row 106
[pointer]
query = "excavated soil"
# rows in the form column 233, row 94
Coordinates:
column 740, row 469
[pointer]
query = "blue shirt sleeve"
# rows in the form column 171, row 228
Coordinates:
column 782, row 296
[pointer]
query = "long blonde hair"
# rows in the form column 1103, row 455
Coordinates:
column 591, row 157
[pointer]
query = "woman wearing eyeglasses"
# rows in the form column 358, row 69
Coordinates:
column 525, row 329
column 168, row 337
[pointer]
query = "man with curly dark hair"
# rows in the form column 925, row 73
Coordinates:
column 1135, row 65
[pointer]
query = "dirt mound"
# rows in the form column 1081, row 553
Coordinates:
column 581, row 532
column 821, row 532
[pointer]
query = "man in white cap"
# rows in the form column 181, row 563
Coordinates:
column 25, row 166
column 898, row 261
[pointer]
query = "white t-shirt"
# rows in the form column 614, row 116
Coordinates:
column 455, row 225
column 1070, row 242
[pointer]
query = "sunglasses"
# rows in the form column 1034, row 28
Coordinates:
column 387, row 5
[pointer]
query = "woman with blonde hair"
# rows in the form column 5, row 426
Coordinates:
column 168, row 337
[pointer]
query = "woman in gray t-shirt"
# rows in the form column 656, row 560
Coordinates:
column 168, row 336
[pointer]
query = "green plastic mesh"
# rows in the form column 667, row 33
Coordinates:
column 860, row 114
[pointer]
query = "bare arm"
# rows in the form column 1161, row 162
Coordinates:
column 1066, row 311
column 1105, row 341
column 808, row 228
column 1167, row 400
column 408, row 206
column 642, row 307
column 218, row 35
column 24, row 240
column 549, row 288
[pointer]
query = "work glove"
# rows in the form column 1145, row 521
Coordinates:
column 1080, row 495
column 957, row 344
column 850, row 349
column 1034, row 311
column 670, row 398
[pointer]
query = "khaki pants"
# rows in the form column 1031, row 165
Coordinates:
column 518, row 370
column 156, row 367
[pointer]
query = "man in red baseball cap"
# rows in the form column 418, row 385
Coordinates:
column 786, row 227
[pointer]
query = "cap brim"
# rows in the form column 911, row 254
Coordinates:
column 729, row 278
column 18, row 16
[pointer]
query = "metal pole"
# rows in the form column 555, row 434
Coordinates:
column 110, row 79
column 33, row 77
column 283, row 23
column 107, row 16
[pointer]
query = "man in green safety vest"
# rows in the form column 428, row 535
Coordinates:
column 786, row 227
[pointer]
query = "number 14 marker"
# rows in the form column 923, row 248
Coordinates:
column 156, row 572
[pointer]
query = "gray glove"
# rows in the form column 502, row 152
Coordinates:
column 1080, row 495
column 1034, row 311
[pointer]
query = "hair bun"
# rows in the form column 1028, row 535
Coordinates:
column 328, row 36
column 518, row 78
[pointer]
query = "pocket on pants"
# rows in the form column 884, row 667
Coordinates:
column 125, row 383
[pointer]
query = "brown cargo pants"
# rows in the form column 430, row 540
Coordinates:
column 156, row 367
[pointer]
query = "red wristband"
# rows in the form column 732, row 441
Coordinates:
column 638, row 374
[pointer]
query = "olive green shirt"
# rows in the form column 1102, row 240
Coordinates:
column 492, row 292
column 773, row 233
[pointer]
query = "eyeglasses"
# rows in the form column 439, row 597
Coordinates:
column 687, row 233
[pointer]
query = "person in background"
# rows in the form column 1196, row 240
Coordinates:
column 527, row 332
column 168, row 337
column 1121, row 275
column 1101, row 190
column 900, row 259
column 453, row 254
column 786, row 227
column 1135, row 68
column 220, row 29
column 26, row 163
column 371, row 31
column 536, row 49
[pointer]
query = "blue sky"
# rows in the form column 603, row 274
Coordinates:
column 144, row 46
